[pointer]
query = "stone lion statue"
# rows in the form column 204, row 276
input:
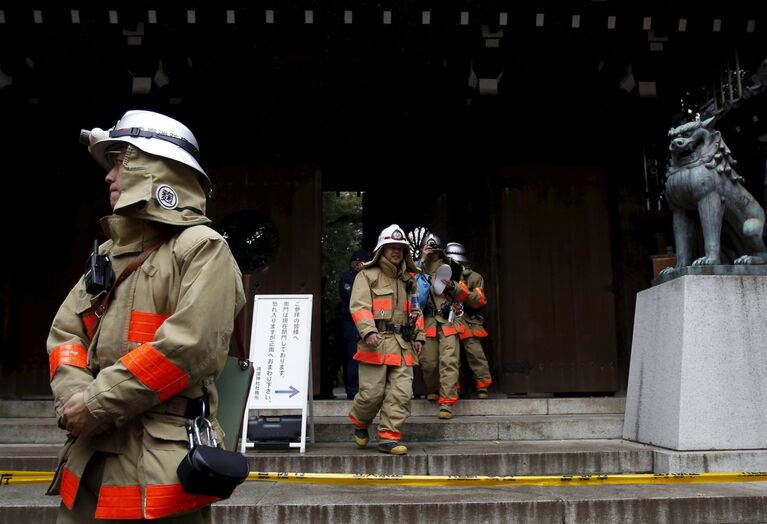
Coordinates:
column 701, row 177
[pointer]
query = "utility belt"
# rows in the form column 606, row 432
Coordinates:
column 392, row 328
column 185, row 407
column 405, row 330
column 431, row 311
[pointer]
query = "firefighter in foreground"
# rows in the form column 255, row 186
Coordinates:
column 391, row 334
column 128, row 372
column 471, row 322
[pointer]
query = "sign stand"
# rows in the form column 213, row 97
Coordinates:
column 280, row 350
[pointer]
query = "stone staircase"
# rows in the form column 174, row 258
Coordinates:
column 499, row 436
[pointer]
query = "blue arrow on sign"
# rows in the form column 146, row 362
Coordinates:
column 293, row 391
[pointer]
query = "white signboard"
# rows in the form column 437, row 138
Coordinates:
column 280, row 350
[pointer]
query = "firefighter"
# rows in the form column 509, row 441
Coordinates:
column 129, row 372
column 440, row 357
column 471, row 321
column 391, row 334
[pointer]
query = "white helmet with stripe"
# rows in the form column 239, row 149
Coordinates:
column 152, row 133
column 392, row 235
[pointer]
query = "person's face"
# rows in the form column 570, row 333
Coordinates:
column 394, row 253
column 114, row 177
column 357, row 265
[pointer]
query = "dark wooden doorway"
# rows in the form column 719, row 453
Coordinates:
column 555, row 282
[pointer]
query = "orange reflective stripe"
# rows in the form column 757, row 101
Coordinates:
column 67, row 355
column 408, row 306
column 480, row 332
column 362, row 314
column 466, row 333
column 389, row 435
column 155, row 371
column 461, row 292
column 167, row 499
column 448, row 400
column 481, row 293
column 449, row 330
column 357, row 422
column 368, row 357
column 482, row 384
column 89, row 319
column 382, row 304
column 419, row 323
column 69, row 484
column 431, row 332
column 144, row 325
column 392, row 360
column 119, row 502
column 408, row 360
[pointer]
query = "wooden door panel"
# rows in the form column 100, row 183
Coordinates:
column 555, row 281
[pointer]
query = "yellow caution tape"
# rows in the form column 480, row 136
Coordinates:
column 25, row 477
column 527, row 480
column 40, row 477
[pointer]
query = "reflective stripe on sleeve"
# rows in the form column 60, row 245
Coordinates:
column 67, row 355
column 155, row 371
column 362, row 314
column 461, row 292
column 481, row 294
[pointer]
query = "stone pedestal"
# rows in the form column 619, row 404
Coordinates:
column 698, row 375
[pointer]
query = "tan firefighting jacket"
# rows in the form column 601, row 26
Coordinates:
column 382, row 300
column 165, row 335
column 471, row 321
column 437, row 301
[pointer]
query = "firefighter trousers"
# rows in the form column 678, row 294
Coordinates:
column 475, row 356
column 439, row 364
column 387, row 389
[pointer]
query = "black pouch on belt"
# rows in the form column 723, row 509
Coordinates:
column 208, row 469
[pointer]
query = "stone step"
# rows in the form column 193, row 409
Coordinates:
column 416, row 429
column 497, row 405
column 278, row 502
column 424, row 458
column 535, row 457
column 486, row 428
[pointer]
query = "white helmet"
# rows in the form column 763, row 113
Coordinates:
column 152, row 133
column 434, row 241
column 392, row 235
column 457, row 252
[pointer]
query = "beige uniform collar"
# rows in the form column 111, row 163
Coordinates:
column 130, row 235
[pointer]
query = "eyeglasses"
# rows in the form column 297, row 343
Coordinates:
column 116, row 155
